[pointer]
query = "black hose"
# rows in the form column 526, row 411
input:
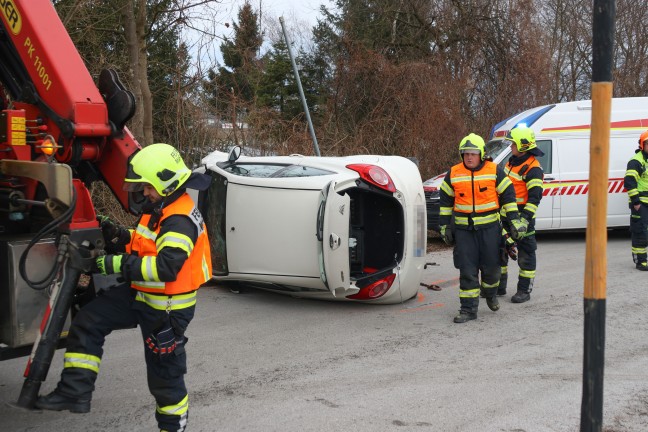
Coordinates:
column 46, row 230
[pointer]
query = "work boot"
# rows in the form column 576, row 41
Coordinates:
column 521, row 297
column 57, row 402
column 464, row 316
column 643, row 266
column 493, row 303
column 501, row 292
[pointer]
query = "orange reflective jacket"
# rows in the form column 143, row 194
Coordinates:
column 516, row 174
column 195, row 271
column 475, row 191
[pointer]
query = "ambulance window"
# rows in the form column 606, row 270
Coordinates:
column 545, row 161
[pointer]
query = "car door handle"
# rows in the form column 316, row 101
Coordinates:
column 334, row 241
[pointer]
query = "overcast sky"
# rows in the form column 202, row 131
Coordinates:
column 299, row 17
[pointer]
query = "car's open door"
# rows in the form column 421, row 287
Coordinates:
column 333, row 236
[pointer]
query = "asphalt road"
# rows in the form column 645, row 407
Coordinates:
column 265, row 362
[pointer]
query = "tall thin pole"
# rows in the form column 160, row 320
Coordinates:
column 299, row 86
column 596, row 243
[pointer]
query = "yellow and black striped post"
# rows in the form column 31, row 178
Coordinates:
column 596, row 244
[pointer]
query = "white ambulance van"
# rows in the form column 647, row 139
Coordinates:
column 563, row 133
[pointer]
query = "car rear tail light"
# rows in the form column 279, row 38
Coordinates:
column 374, row 175
column 375, row 290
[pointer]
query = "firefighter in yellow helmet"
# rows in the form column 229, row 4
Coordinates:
column 470, row 199
column 160, row 265
column 636, row 183
column 527, row 177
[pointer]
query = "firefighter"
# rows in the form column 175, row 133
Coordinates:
column 527, row 177
column 636, row 183
column 162, row 263
column 470, row 199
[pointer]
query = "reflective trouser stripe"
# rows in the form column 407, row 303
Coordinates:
column 176, row 410
column 485, row 285
column 471, row 293
column 529, row 274
column 79, row 360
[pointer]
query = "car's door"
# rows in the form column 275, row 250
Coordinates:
column 333, row 236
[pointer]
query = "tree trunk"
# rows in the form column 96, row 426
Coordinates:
column 142, row 72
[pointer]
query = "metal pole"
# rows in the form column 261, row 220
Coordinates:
column 596, row 243
column 299, row 86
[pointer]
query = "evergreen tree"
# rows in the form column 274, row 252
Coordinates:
column 234, row 85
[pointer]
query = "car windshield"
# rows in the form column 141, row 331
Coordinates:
column 495, row 147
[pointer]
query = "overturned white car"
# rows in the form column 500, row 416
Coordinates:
column 337, row 228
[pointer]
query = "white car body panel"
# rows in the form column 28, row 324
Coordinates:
column 565, row 133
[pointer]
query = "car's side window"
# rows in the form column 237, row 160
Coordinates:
column 255, row 170
column 302, row 171
column 276, row 170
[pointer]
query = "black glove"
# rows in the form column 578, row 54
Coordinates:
column 446, row 235
column 109, row 229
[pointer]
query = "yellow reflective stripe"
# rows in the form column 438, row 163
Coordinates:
column 529, row 274
column 472, row 293
column 131, row 232
column 445, row 187
column 482, row 220
column 510, row 207
column 149, row 268
column 148, row 285
column 176, row 240
column 636, row 250
column 205, row 269
column 519, row 200
column 484, row 177
column 488, row 206
column 534, row 183
column 485, row 285
column 633, row 192
column 460, row 179
column 463, row 207
column 506, row 182
column 531, row 208
column 632, row 173
column 515, row 176
column 461, row 220
column 83, row 361
column 504, row 270
column 445, row 211
column 175, row 302
column 178, row 409
column 145, row 232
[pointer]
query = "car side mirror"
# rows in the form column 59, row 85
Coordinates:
column 234, row 154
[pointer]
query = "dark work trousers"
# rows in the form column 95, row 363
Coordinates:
column 526, row 261
column 117, row 309
column 639, row 232
column 475, row 252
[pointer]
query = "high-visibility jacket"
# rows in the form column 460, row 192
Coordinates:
column 474, row 196
column 526, row 175
column 636, row 179
column 146, row 243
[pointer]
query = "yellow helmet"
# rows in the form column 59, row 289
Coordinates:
column 159, row 165
column 472, row 143
column 523, row 137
